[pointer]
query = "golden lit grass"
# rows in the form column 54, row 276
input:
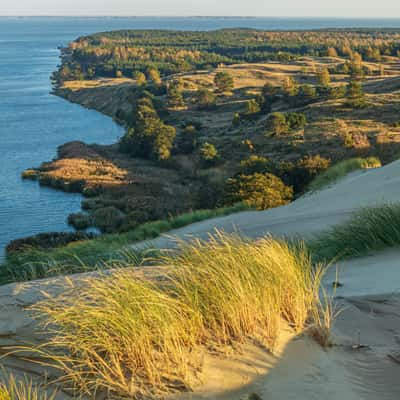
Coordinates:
column 95, row 83
column 93, row 172
column 78, row 165
column 132, row 336
column 23, row 389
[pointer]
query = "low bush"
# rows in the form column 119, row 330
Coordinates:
column 261, row 191
column 47, row 241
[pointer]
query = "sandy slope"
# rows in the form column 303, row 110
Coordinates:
column 299, row 369
column 308, row 215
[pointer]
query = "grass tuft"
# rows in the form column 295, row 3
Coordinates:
column 142, row 337
column 341, row 169
column 22, row 389
column 370, row 229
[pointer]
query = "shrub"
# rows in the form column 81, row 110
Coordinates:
column 252, row 107
column 323, row 76
column 141, row 337
column 153, row 75
column 302, row 172
column 174, row 94
column 236, row 121
column 80, row 221
column 307, row 92
column 150, row 137
column 223, row 81
column 188, row 139
column 341, row 169
column 296, row 120
column 355, row 94
column 108, row 219
column 261, row 191
column 47, row 241
column 279, row 124
column 209, row 153
column 140, row 78
column 206, row 99
column 254, row 164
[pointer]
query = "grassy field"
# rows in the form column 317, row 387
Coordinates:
column 341, row 169
column 141, row 337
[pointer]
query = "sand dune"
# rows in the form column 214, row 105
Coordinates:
column 306, row 216
column 364, row 362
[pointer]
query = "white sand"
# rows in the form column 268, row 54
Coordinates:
column 300, row 369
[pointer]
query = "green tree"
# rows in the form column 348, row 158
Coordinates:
column 209, row 153
column 188, row 139
column 236, row 121
column 331, row 52
column 223, row 81
column 252, row 107
column 355, row 94
column 307, row 92
column 261, row 191
column 206, row 100
column 356, row 66
column 296, row 120
column 324, row 77
column 153, row 75
column 254, row 164
column 174, row 94
column 279, row 124
column 290, row 87
column 140, row 78
column 149, row 137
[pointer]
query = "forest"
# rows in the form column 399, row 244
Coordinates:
column 123, row 53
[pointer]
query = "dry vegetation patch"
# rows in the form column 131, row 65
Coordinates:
column 142, row 337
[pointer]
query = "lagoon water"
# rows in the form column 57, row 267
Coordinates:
column 33, row 122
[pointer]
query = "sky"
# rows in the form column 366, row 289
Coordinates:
column 267, row 8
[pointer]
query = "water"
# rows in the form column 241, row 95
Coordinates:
column 33, row 122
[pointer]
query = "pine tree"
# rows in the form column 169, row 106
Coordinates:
column 324, row 77
column 153, row 75
column 174, row 94
column 355, row 94
column 224, row 82
column 140, row 78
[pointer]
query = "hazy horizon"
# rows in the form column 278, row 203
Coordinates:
column 388, row 9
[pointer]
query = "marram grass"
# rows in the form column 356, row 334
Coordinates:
column 131, row 336
column 341, row 169
column 12, row 388
column 369, row 229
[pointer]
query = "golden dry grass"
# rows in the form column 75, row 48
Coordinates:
column 22, row 389
column 130, row 336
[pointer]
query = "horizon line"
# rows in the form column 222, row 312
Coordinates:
column 196, row 16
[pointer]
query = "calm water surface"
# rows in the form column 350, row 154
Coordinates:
column 33, row 122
